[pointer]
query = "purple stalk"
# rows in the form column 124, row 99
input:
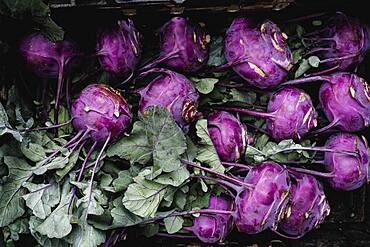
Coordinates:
column 223, row 182
column 286, row 236
column 59, row 91
column 320, row 149
column 223, row 176
column 158, row 60
column 311, row 172
column 304, row 80
column 326, row 128
column 248, row 167
column 94, row 170
column 248, row 112
column 48, row 127
column 92, row 148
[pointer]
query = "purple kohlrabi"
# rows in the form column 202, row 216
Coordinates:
column 347, row 160
column 50, row 59
column 183, row 46
column 173, row 91
column 258, row 52
column 349, row 171
column 307, row 207
column 262, row 207
column 119, row 49
column 228, row 135
column 214, row 228
column 290, row 114
column 345, row 100
column 341, row 43
column 102, row 112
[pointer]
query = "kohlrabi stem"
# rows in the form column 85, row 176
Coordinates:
column 317, row 49
column 166, row 235
column 304, row 80
column 68, row 94
column 217, row 180
column 93, row 172
column 58, row 94
column 248, row 112
column 92, row 148
column 198, row 211
column 304, row 163
column 319, row 149
column 47, row 127
column 237, row 165
column 158, row 60
column 85, row 133
column 257, row 128
column 335, row 59
column 324, row 71
column 216, row 173
column 310, row 172
column 331, row 125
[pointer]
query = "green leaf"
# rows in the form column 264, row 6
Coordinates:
column 85, row 235
column 314, row 61
column 165, row 137
column 44, row 240
column 206, row 151
column 303, row 67
column 5, row 127
column 134, row 148
column 33, row 151
column 180, row 199
column 12, row 231
column 11, row 192
column 216, row 55
column 57, row 224
column 175, row 178
column 173, row 224
column 121, row 216
column 61, row 173
column 42, row 198
column 144, row 196
column 204, row 85
column 123, row 180
column 156, row 136
column 97, row 200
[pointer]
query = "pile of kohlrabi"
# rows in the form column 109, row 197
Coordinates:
column 212, row 133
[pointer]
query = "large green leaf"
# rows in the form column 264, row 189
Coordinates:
column 144, row 196
column 11, row 192
column 156, row 137
column 44, row 240
column 206, row 151
column 42, row 198
column 5, row 127
column 85, row 235
column 173, row 224
column 121, row 216
column 57, row 224
column 134, row 148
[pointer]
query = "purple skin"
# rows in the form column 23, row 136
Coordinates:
column 346, row 161
column 258, row 52
column 183, row 46
column 290, row 114
column 102, row 111
column 173, row 91
column 49, row 60
column 341, row 44
column 228, row 135
column 349, row 172
column 263, row 206
column 214, row 228
column 345, row 100
column 119, row 49
column 307, row 207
